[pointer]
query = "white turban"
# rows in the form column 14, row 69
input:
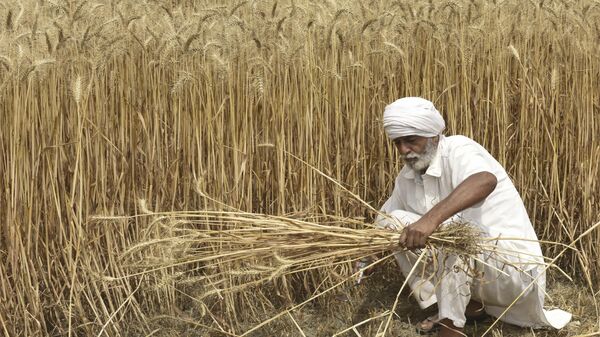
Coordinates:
column 412, row 116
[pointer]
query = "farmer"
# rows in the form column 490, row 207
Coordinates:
column 450, row 178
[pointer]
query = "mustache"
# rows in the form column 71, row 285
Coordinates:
column 411, row 155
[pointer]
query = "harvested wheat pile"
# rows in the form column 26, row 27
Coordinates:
column 229, row 252
column 253, row 248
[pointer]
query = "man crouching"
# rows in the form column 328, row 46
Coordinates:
column 445, row 178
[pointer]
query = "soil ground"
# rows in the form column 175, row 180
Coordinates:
column 353, row 304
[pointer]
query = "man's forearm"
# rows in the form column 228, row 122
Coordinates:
column 471, row 191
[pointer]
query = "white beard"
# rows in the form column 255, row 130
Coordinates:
column 424, row 159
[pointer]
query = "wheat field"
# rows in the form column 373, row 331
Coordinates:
column 124, row 108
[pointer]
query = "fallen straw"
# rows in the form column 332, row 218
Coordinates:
column 229, row 252
column 235, row 250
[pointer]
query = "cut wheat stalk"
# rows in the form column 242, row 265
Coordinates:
column 234, row 251
column 270, row 246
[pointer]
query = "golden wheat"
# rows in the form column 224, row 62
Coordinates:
column 175, row 101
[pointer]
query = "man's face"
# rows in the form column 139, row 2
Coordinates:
column 416, row 151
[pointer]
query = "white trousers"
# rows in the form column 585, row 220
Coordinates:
column 497, row 286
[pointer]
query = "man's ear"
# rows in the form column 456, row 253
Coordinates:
column 436, row 140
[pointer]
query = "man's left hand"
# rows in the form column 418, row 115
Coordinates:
column 415, row 235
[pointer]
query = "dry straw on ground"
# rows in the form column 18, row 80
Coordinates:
column 224, row 253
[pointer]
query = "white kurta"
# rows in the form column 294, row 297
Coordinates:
column 501, row 215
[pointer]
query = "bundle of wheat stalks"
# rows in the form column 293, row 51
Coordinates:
column 234, row 250
column 226, row 252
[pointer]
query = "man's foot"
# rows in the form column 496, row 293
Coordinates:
column 428, row 326
column 474, row 311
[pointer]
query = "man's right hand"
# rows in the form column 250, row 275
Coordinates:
column 415, row 235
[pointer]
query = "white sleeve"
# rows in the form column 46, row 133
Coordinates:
column 467, row 160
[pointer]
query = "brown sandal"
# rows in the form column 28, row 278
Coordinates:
column 431, row 324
